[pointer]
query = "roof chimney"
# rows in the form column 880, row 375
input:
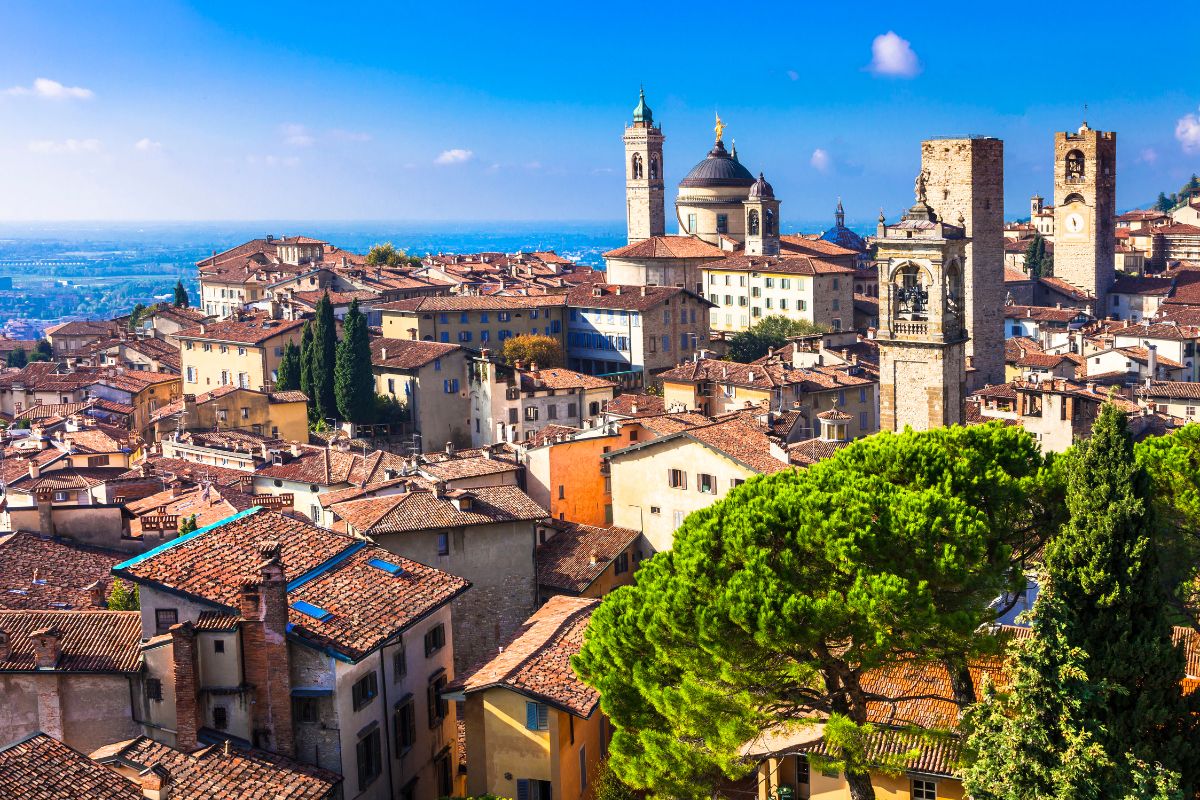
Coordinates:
column 450, row 449
column 1152, row 360
column 95, row 591
column 383, row 354
column 5, row 646
column 47, row 647
column 155, row 782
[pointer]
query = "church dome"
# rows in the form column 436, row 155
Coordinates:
column 718, row 169
column 761, row 189
column 842, row 236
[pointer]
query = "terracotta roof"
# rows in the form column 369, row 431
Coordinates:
column 209, row 505
column 744, row 443
column 422, row 509
column 1015, row 276
column 578, row 554
column 92, row 641
column 814, row 246
column 667, row 247
column 1132, row 284
column 42, row 768
column 408, row 353
column 43, row 572
column 768, row 374
column 1159, row 330
column 536, row 662
column 833, row 415
column 329, row 467
column 1062, row 287
column 937, row 759
column 253, row 329
column 1014, row 345
column 1042, row 360
column 473, row 303
column 810, row 451
column 560, row 378
column 83, row 327
column 1041, row 313
column 631, row 298
column 1171, row 390
column 549, row 434
column 674, row 422
column 212, row 773
column 1142, row 354
column 623, row 405
column 192, row 470
column 366, row 603
column 783, row 264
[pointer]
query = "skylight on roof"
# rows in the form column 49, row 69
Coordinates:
column 308, row 609
column 386, row 566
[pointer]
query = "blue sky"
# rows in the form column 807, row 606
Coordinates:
column 232, row 110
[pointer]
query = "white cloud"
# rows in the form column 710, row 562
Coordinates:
column 456, row 155
column 1187, row 131
column 893, row 56
column 296, row 135
column 44, row 87
column 821, row 160
column 793, row 75
column 147, row 145
column 52, row 147
column 1148, row 156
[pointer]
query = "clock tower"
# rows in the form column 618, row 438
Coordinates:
column 922, row 332
column 1085, row 200
column 644, row 192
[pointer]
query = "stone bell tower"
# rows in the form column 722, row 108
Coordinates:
column 644, row 192
column 762, row 219
column 1085, row 199
column 922, row 320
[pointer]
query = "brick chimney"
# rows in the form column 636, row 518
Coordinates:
column 187, row 686
column 155, row 783
column 264, row 607
column 95, row 592
column 47, row 647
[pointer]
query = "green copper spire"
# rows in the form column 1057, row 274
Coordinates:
column 643, row 113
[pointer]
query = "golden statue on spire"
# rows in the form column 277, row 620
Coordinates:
column 719, row 128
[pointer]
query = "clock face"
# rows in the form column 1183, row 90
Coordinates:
column 1074, row 223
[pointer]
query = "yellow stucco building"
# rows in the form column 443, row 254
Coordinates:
column 243, row 350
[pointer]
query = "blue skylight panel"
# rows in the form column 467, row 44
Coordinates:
column 308, row 609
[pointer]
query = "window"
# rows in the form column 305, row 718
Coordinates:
column 218, row 645
column 435, row 639
column 404, row 723
column 531, row 413
column 756, row 312
column 571, row 410
column 742, row 301
column 529, row 789
column 153, row 689
column 443, row 544
column 655, row 510
column 755, row 291
column 837, row 324
column 706, row 484
column 364, row 690
column 621, row 564
column 191, row 374
column 400, row 663
column 391, row 384
column 450, row 386
column 714, row 299
column 677, row 518
column 220, row 717
column 552, row 412
column 306, row 709
column 537, row 716
column 728, row 299
column 438, row 706
column 441, row 765
column 485, row 336
column 437, row 365
column 924, row 790
column 164, row 618
column 835, row 283
column 666, row 344
column 464, row 336
column 677, row 479
column 735, row 482
column 722, row 223
column 512, row 416
column 691, row 223
column 1190, row 411
column 503, row 316
column 370, row 759
column 445, row 337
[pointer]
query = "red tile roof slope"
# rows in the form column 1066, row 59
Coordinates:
column 92, row 641
column 43, row 768
column 43, row 572
column 407, row 353
column 667, row 247
column 578, row 554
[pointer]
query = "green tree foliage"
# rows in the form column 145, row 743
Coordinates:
column 17, row 358
column 43, row 351
column 386, row 255
column 322, row 360
column 768, row 333
column 1189, row 191
column 609, row 786
column 135, row 316
column 1095, row 708
column 181, row 295
column 389, row 410
column 545, row 351
column 306, row 380
column 1164, row 203
column 187, row 525
column 288, row 377
column 1173, row 463
column 1035, row 255
column 123, row 596
column 774, row 601
column 354, row 383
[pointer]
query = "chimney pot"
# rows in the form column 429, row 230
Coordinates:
column 95, row 592
column 47, row 647
column 155, row 782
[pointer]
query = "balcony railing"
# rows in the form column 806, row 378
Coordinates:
column 910, row 328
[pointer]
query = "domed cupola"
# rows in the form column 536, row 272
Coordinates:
column 761, row 188
column 718, row 169
column 643, row 113
column 842, row 236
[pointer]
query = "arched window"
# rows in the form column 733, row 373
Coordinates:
column 911, row 296
column 636, row 166
column 769, row 225
column 653, row 167
column 954, row 291
column 1074, row 165
column 752, row 223
column 1074, row 197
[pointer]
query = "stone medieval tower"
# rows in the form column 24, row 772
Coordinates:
column 762, row 219
column 1085, row 199
column 922, row 320
column 966, row 177
column 644, row 194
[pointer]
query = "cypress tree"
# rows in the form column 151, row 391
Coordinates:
column 17, row 358
column 1096, row 708
column 181, row 295
column 289, row 369
column 354, row 384
column 306, row 352
column 324, row 359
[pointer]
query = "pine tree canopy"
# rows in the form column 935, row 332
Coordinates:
column 774, row 601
